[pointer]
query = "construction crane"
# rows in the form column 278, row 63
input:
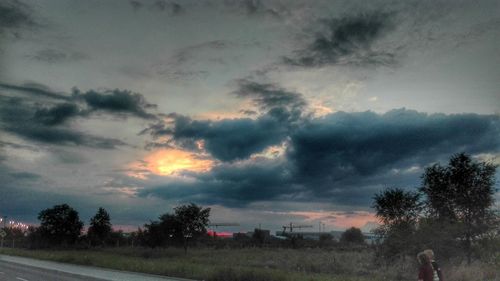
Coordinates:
column 222, row 224
column 291, row 226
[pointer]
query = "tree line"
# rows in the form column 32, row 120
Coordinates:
column 60, row 226
column 451, row 212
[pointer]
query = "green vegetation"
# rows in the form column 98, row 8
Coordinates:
column 258, row 264
column 451, row 213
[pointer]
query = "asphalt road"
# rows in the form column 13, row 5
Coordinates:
column 17, row 272
column 26, row 269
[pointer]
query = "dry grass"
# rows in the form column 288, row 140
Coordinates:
column 254, row 264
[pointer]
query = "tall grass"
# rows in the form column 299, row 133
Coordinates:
column 257, row 264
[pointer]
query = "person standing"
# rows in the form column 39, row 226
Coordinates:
column 425, row 272
column 437, row 274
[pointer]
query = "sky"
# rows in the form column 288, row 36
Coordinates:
column 268, row 112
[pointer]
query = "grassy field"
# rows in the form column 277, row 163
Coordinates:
column 255, row 264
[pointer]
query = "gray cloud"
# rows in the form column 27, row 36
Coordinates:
column 47, row 121
column 136, row 5
column 57, row 114
column 116, row 101
column 233, row 139
column 19, row 117
column 172, row 7
column 183, row 64
column 226, row 140
column 347, row 40
column 35, row 89
column 342, row 158
column 257, row 7
column 345, row 146
column 52, row 56
column 268, row 96
column 14, row 15
column 111, row 101
column 230, row 185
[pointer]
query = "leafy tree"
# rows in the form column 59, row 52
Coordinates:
column 399, row 212
column 462, row 192
column 153, row 235
column 60, row 225
column 100, row 227
column 352, row 235
column 395, row 206
column 188, row 223
column 193, row 221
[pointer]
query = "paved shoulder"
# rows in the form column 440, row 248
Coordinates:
column 88, row 271
column 19, row 272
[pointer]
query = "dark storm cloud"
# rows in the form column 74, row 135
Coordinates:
column 34, row 89
column 227, row 139
column 116, row 101
column 236, row 139
column 343, row 158
column 349, row 145
column 57, row 114
column 14, row 15
column 347, row 40
column 268, row 96
column 230, row 185
column 20, row 118
column 110, row 101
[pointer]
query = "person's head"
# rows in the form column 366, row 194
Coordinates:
column 423, row 258
column 429, row 253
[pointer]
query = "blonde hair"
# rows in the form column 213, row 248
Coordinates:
column 429, row 253
column 423, row 258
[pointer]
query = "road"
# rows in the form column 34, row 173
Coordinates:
column 16, row 272
column 24, row 269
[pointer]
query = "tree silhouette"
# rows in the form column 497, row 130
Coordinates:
column 462, row 193
column 394, row 206
column 193, row 221
column 399, row 212
column 352, row 235
column 60, row 225
column 100, row 227
column 188, row 223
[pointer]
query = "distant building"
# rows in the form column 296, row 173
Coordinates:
column 370, row 238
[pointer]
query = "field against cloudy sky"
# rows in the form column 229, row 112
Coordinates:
column 266, row 111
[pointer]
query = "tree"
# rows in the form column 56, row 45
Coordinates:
column 353, row 235
column 100, row 227
column 395, row 206
column 399, row 212
column 193, row 221
column 188, row 223
column 60, row 225
column 463, row 193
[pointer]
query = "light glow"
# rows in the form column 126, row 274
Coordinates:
column 168, row 162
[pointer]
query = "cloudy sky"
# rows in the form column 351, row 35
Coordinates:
column 269, row 112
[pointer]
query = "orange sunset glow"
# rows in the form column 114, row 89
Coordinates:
column 339, row 219
column 167, row 162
